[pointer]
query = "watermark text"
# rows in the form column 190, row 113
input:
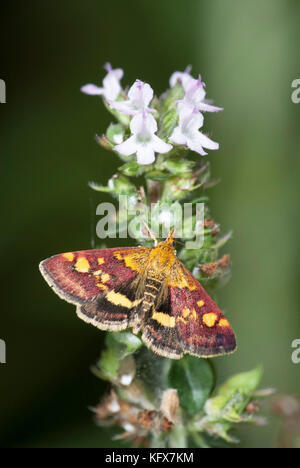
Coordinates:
column 2, row 92
column 296, row 353
column 296, row 94
column 2, row 352
column 136, row 220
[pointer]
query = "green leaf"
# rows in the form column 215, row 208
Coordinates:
column 194, row 380
column 158, row 175
column 171, row 97
column 132, row 168
column 123, row 343
column 167, row 123
column 178, row 165
column 119, row 346
column 108, row 365
column 169, row 116
column 246, row 382
column 233, row 396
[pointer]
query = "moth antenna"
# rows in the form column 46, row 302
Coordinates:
column 179, row 242
column 150, row 233
column 170, row 238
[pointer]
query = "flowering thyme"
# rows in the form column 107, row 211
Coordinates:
column 156, row 401
column 145, row 120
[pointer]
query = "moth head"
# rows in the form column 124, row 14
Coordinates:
column 163, row 255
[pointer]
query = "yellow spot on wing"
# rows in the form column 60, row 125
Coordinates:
column 98, row 272
column 194, row 314
column 82, row 265
column 119, row 299
column 209, row 319
column 224, row 323
column 135, row 259
column 102, row 286
column 101, row 261
column 69, row 256
column 164, row 319
column 200, row 303
column 105, row 277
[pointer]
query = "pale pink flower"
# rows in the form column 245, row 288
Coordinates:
column 143, row 142
column 187, row 132
column 195, row 97
column 184, row 78
column 194, row 91
column 139, row 97
column 111, row 84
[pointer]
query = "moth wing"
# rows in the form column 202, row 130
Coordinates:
column 202, row 328
column 160, row 332
column 98, row 282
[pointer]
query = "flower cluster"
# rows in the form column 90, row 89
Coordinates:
column 190, row 110
column 143, row 141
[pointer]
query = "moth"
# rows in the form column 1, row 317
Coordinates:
column 146, row 289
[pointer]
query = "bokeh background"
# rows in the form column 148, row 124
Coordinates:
column 248, row 53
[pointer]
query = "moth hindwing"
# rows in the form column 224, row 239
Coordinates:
column 146, row 289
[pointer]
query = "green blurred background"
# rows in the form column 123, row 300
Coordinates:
column 248, row 53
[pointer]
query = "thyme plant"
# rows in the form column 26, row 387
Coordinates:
column 156, row 401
